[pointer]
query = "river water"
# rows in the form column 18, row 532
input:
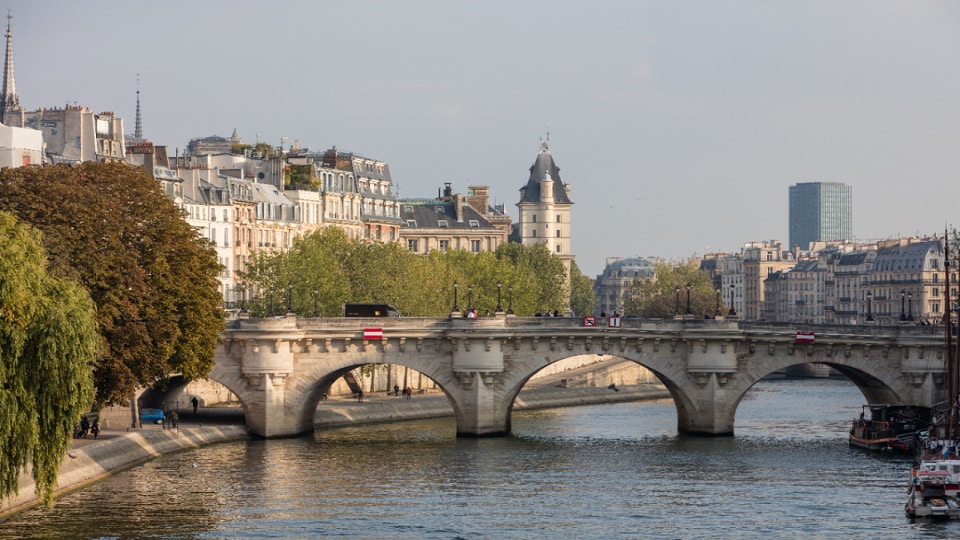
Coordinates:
column 617, row 470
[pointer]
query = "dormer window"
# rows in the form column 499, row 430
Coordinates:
column 411, row 223
column 408, row 209
column 474, row 223
column 438, row 209
column 442, row 223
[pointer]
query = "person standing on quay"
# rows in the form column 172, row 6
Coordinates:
column 196, row 403
column 360, row 395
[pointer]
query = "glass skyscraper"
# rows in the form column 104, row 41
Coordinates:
column 820, row 211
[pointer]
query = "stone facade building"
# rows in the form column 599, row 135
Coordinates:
column 446, row 223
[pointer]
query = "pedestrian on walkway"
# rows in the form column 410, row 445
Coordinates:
column 396, row 390
column 360, row 395
column 95, row 429
column 196, row 403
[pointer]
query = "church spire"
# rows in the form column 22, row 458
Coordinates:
column 9, row 100
column 138, row 125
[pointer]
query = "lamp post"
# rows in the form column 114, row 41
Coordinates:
column 499, row 305
column 676, row 305
column 733, row 310
column 909, row 306
column 716, row 313
column 510, row 301
column 270, row 301
column 903, row 299
column 316, row 303
column 869, row 306
column 688, row 300
column 469, row 297
column 289, row 297
column 456, row 307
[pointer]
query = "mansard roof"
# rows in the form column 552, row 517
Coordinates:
column 427, row 213
column 541, row 167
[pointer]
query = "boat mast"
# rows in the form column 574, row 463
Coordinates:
column 948, row 328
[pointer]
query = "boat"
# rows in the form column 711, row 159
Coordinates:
column 929, row 498
column 935, row 481
column 889, row 428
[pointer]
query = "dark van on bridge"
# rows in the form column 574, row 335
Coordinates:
column 370, row 310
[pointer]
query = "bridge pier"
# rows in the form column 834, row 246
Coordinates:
column 481, row 413
column 712, row 414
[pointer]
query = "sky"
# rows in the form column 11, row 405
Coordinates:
column 679, row 125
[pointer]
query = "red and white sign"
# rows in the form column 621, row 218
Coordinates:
column 373, row 333
column 589, row 321
column 614, row 322
column 805, row 337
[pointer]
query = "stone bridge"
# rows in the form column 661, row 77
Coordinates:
column 280, row 368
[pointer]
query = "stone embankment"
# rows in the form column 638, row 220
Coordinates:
column 119, row 448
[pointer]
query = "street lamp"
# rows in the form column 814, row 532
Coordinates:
column 469, row 297
column 909, row 306
column 733, row 310
column 499, row 305
column 676, row 305
column 289, row 297
column 456, row 307
column 716, row 313
column 869, row 306
column 688, row 300
column 316, row 303
column 510, row 302
column 270, row 300
column 903, row 313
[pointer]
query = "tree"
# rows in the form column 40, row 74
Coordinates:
column 48, row 345
column 665, row 294
column 152, row 277
column 582, row 300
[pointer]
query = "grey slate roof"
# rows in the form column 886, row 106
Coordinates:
column 540, row 168
column 428, row 213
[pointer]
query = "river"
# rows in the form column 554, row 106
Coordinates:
column 617, row 470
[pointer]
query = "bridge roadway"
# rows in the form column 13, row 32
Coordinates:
column 281, row 367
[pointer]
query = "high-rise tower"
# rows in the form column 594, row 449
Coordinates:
column 9, row 100
column 820, row 211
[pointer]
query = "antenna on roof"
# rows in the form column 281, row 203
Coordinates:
column 138, row 125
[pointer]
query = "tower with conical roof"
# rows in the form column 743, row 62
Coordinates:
column 545, row 207
column 9, row 100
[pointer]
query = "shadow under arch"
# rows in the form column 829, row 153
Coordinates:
column 170, row 394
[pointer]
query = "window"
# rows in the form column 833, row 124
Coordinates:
column 534, row 234
column 412, row 245
column 558, row 233
column 411, row 223
column 475, row 246
column 558, row 248
column 408, row 209
column 558, row 219
column 474, row 223
column 534, row 218
column 438, row 209
column 444, row 245
column 442, row 223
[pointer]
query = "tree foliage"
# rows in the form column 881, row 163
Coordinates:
column 153, row 279
column 582, row 299
column 665, row 294
column 326, row 269
column 48, row 345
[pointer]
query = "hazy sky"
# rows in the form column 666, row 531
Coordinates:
column 680, row 125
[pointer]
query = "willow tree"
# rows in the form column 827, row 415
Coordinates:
column 48, row 345
column 109, row 227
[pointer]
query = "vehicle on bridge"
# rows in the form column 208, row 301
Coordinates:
column 890, row 428
column 370, row 310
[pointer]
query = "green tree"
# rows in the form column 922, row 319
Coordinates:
column 582, row 300
column 48, row 345
column 153, row 279
column 665, row 294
